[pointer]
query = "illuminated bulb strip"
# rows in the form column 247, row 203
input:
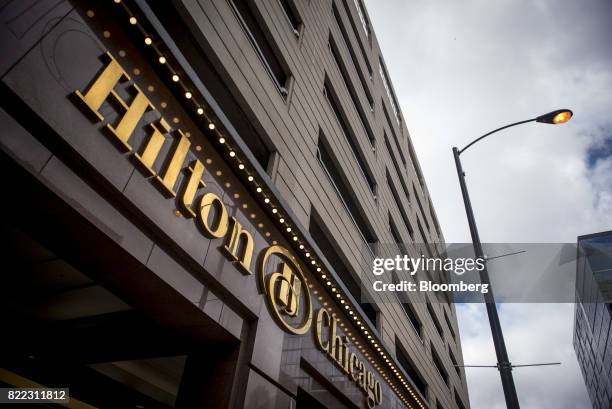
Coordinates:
column 148, row 40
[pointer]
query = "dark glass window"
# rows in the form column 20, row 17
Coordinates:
column 322, row 238
column 290, row 11
column 450, row 327
column 422, row 211
column 362, row 17
column 414, row 320
column 387, row 86
column 410, row 369
column 351, row 89
column 398, row 145
column 458, row 401
column 400, row 204
column 364, row 54
column 438, row 364
column 426, row 247
column 436, row 228
column 394, row 233
column 206, row 70
column 245, row 11
column 434, row 318
column 454, row 361
column 345, row 193
column 350, row 136
column 351, row 51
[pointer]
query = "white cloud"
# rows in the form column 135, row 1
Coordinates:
column 463, row 68
column 538, row 387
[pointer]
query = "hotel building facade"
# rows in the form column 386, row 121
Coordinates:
column 593, row 316
column 192, row 191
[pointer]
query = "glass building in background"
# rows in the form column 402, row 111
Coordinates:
column 191, row 190
column 593, row 316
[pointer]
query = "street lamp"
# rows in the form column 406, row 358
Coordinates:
column 503, row 363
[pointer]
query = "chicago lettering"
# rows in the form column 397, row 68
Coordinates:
column 336, row 348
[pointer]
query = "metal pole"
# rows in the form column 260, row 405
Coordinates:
column 503, row 363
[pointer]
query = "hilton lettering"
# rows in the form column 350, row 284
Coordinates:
column 238, row 245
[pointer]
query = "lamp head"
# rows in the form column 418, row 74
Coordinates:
column 560, row 116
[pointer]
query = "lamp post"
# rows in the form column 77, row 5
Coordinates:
column 503, row 363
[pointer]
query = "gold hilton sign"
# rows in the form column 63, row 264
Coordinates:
column 286, row 293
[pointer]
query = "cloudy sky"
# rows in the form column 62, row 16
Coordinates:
column 463, row 68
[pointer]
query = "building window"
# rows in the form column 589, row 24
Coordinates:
column 351, row 51
column 438, row 364
column 364, row 54
column 395, row 164
column 398, row 145
column 345, row 193
column 362, row 18
column 385, row 81
column 415, row 166
column 351, row 89
column 350, row 137
column 245, row 11
column 450, row 327
column 394, row 233
column 324, row 241
column 432, row 213
column 434, row 318
column 423, row 214
column 454, row 361
column 400, row 204
column 293, row 17
column 410, row 369
column 413, row 318
column 260, row 144
column 458, row 401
